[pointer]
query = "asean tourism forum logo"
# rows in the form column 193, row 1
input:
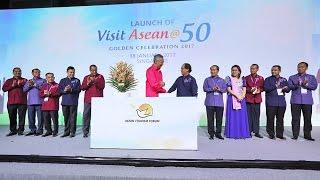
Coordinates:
column 144, row 110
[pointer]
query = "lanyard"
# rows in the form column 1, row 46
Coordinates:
column 215, row 83
column 255, row 80
column 50, row 87
column 279, row 81
column 300, row 79
column 71, row 82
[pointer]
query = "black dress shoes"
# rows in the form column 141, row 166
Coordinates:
column 64, row 135
column 85, row 135
column 30, row 133
column 294, row 138
column 281, row 137
column 258, row 135
column 72, row 135
column 271, row 137
column 11, row 134
column 47, row 134
column 38, row 133
column 219, row 136
column 309, row 138
column 20, row 133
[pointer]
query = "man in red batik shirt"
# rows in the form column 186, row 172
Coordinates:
column 93, row 85
column 255, row 85
column 17, row 101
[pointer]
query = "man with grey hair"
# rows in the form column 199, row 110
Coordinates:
column 154, row 82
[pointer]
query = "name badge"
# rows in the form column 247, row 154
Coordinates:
column 280, row 93
column 255, row 91
column 216, row 93
column 46, row 99
column 304, row 91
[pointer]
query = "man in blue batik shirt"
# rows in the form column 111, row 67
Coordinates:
column 275, row 87
column 70, row 89
column 185, row 85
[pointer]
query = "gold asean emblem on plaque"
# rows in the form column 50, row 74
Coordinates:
column 144, row 110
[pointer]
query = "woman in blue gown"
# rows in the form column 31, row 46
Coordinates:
column 237, row 126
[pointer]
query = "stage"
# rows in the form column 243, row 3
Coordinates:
column 36, row 171
column 228, row 153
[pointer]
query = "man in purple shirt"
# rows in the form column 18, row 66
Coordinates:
column 275, row 87
column 302, row 85
column 214, row 86
column 318, row 80
column 32, row 87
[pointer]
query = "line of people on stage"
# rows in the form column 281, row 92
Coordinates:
column 40, row 97
column 244, row 98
